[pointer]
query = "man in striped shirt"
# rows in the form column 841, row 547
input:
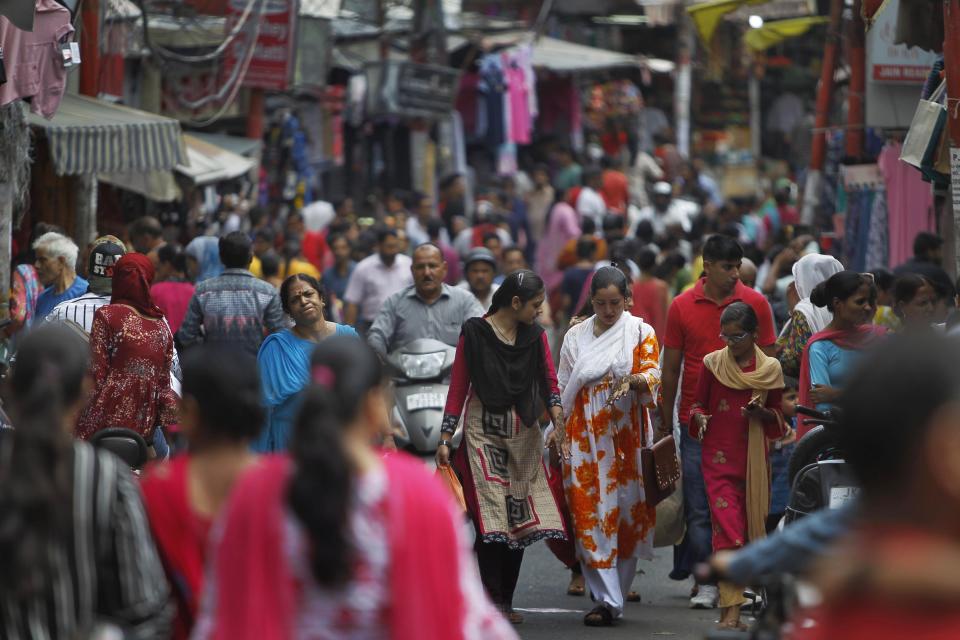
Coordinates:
column 105, row 253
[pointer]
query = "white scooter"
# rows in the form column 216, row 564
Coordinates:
column 421, row 376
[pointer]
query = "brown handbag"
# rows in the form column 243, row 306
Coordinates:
column 661, row 470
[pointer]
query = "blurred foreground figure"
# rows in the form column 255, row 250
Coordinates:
column 338, row 541
column 897, row 574
column 75, row 547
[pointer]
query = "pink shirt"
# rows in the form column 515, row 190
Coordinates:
column 33, row 61
column 909, row 203
column 372, row 282
column 173, row 298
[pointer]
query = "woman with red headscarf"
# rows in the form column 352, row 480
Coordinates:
column 132, row 351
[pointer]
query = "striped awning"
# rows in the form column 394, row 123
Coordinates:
column 93, row 136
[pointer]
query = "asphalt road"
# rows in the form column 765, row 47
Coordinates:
column 550, row 614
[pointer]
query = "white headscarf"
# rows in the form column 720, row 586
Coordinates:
column 808, row 272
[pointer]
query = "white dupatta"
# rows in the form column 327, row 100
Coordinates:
column 594, row 357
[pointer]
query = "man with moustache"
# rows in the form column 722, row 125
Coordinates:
column 427, row 309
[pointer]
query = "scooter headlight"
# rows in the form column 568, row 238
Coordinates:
column 421, row 366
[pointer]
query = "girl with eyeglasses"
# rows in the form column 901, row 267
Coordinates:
column 737, row 407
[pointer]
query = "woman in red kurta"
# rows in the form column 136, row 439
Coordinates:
column 736, row 408
column 132, row 350
column 221, row 415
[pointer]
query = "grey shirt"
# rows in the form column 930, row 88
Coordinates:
column 405, row 317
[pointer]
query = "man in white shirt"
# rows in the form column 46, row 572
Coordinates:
column 664, row 212
column 480, row 269
column 375, row 279
column 590, row 203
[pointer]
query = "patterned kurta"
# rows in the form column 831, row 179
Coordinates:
column 603, row 479
column 132, row 356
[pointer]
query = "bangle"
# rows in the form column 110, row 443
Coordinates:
column 445, row 443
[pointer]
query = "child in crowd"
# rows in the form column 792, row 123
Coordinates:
column 780, row 452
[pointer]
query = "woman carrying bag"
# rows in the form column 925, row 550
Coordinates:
column 609, row 379
column 504, row 375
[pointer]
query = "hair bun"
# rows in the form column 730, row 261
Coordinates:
column 819, row 296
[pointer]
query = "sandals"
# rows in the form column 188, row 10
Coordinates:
column 514, row 618
column 577, row 586
column 634, row 596
column 599, row 617
column 733, row 626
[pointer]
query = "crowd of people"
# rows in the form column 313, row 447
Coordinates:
column 593, row 311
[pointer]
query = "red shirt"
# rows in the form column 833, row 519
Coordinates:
column 615, row 190
column 181, row 535
column 693, row 328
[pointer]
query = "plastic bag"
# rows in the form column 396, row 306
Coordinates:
column 449, row 478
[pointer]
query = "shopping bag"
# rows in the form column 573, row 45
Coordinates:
column 927, row 127
column 671, row 525
column 449, row 478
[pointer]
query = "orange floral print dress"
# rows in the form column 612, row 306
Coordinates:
column 603, row 481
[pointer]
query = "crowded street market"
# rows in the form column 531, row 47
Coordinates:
column 479, row 319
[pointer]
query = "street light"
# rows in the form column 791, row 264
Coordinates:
column 755, row 21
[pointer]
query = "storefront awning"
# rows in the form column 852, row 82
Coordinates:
column 565, row 57
column 209, row 162
column 93, row 136
column 212, row 163
column 773, row 33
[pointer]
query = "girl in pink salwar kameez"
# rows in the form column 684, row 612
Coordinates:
column 736, row 409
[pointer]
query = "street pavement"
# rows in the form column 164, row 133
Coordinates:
column 550, row 614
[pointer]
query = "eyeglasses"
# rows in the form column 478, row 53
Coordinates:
column 737, row 339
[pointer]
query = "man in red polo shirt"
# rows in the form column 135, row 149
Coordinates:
column 693, row 331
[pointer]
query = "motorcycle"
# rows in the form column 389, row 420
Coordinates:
column 420, row 371
column 126, row 444
column 819, row 476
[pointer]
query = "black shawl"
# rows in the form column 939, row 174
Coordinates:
column 506, row 376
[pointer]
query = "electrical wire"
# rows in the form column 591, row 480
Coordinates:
column 169, row 54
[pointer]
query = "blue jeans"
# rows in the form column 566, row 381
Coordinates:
column 160, row 444
column 697, row 545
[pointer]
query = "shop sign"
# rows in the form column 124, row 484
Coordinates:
column 410, row 89
column 894, row 72
column 889, row 62
column 270, row 65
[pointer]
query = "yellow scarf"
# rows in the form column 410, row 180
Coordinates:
column 767, row 376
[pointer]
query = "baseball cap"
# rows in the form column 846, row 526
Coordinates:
column 662, row 188
column 104, row 254
column 480, row 254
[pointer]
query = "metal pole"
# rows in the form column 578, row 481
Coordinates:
column 857, row 53
column 951, row 57
column 683, row 81
column 756, row 122
column 818, row 153
column 6, row 232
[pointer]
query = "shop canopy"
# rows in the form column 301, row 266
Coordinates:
column 561, row 56
column 93, row 136
column 773, row 33
column 707, row 15
column 210, row 160
column 212, row 163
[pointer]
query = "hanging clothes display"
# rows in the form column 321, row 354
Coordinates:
column 34, row 60
column 909, row 203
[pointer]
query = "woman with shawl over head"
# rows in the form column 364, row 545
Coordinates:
column 609, row 380
column 203, row 258
column 830, row 354
column 338, row 540
column 284, row 357
column 132, row 351
column 563, row 225
column 807, row 318
column 504, row 375
column 737, row 407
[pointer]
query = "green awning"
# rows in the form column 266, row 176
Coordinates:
column 93, row 136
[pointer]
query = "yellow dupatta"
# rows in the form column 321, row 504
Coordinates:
column 767, row 376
